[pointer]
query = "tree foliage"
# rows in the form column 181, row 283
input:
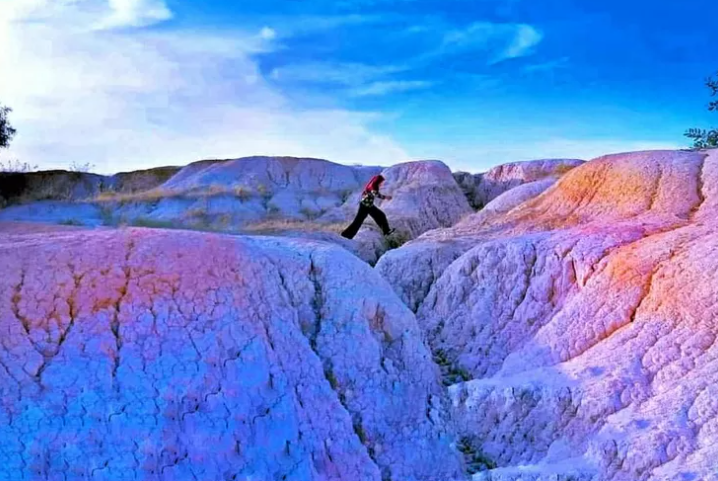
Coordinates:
column 6, row 130
column 706, row 138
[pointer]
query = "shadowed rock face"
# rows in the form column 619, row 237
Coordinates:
column 48, row 185
column 480, row 189
column 139, row 354
column 577, row 330
column 141, row 180
column 61, row 185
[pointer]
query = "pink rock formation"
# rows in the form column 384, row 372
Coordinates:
column 425, row 196
column 578, row 329
column 165, row 355
column 481, row 189
column 272, row 194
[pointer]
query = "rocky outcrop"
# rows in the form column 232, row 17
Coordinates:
column 62, row 185
column 424, row 197
column 140, row 354
column 235, row 193
column 480, row 189
column 279, row 196
column 572, row 322
column 140, row 180
column 576, row 330
column 19, row 187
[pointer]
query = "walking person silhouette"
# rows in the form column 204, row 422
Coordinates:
column 367, row 208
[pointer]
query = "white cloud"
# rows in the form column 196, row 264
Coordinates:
column 267, row 33
column 500, row 40
column 126, row 99
column 345, row 74
column 525, row 39
column 135, row 13
column 391, row 86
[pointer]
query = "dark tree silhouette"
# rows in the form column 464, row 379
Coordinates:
column 6, row 130
column 702, row 138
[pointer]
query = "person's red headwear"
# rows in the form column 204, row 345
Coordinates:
column 374, row 183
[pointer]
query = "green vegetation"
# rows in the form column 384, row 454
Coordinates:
column 71, row 222
column 450, row 372
column 475, row 460
column 6, row 130
column 397, row 239
column 702, row 138
column 107, row 216
column 152, row 223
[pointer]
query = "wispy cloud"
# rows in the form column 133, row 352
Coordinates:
column 267, row 33
column 132, row 98
column 548, row 66
column 417, row 50
column 346, row 74
column 500, row 41
column 135, row 13
column 525, row 39
column 292, row 26
column 355, row 79
column 391, row 86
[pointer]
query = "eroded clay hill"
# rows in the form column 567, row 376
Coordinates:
column 480, row 189
column 154, row 355
column 309, row 198
column 571, row 324
column 577, row 329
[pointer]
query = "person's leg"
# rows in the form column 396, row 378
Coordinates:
column 354, row 227
column 380, row 218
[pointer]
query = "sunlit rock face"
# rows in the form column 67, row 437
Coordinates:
column 576, row 331
column 164, row 355
column 425, row 197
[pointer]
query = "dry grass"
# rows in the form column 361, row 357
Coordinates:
column 278, row 225
column 151, row 195
column 15, row 166
column 197, row 212
column 242, row 193
column 217, row 189
column 312, row 214
column 563, row 168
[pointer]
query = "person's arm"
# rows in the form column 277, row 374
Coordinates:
column 381, row 196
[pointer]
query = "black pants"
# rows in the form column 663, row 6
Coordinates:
column 375, row 213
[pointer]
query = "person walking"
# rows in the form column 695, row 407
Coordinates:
column 367, row 208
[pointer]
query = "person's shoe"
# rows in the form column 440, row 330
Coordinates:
column 389, row 232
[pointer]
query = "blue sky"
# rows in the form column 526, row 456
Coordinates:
column 126, row 84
